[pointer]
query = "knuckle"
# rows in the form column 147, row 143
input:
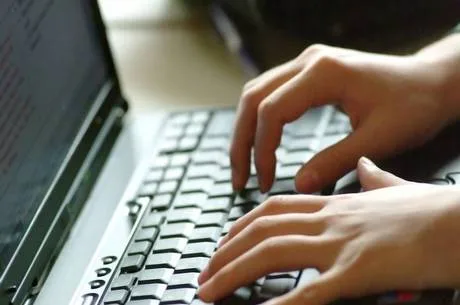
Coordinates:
column 250, row 97
column 325, row 62
column 313, row 49
column 270, row 247
column 233, row 231
column 249, row 84
column 265, row 110
column 274, row 204
column 261, row 226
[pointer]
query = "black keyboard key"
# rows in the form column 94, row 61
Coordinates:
column 454, row 177
column 283, row 187
column 327, row 141
column 200, row 117
column 200, row 302
column 161, row 202
column 170, row 245
column 184, row 280
column 220, row 204
column 246, row 197
column 148, row 189
column 154, row 176
column 202, row 171
column 296, row 158
column 153, row 220
column 155, row 276
column 222, row 144
column 212, row 219
column 238, row 211
column 190, row 200
column 162, row 260
column 144, row 302
column 196, row 185
column 116, row 297
column 209, row 157
column 252, row 184
column 180, row 119
column 174, row 132
column 221, row 189
column 168, row 146
column 132, row 263
column 175, row 173
column 184, row 215
column 439, row 181
column 300, row 145
column 146, row 234
column 308, row 276
column 160, row 162
column 194, row 130
column 287, row 172
column 179, row 160
column 221, row 124
column 148, row 291
column 123, row 281
column 142, row 247
column 178, row 296
column 223, row 175
column 177, row 230
column 292, row 275
column 210, row 234
column 205, row 249
column 277, row 286
column 188, row 144
column 192, row 264
column 167, row 187
column 308, row 124
column 227, row 227
column 240, row 296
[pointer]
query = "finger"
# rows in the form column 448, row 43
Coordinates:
column 322, row 291
column 320, row 83
column 274, row 206
column 373, row 138
column 246, row 119
column 285, row 253
column 258, row 231
column 273, row 78
column 372, row 177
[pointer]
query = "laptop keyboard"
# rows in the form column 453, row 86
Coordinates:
column 191, row 205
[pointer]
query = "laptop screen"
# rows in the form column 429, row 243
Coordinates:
column 51, row 69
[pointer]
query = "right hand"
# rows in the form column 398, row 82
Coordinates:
column 394, row 103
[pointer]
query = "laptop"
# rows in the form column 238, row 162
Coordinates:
column 66, row 159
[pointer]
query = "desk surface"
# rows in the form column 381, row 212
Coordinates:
column 168, row 58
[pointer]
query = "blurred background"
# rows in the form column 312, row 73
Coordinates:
column 178, row 54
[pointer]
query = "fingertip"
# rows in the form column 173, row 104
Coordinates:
column 204, row 276
column 205, row 292
column 307, row 181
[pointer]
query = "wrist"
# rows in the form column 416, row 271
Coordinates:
column 445, row 246
column 440, row 63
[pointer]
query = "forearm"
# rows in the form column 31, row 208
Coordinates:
column 443, row 61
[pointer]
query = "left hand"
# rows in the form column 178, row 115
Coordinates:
column 397, row 235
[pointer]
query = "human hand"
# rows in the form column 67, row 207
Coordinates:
column 401, row 237
column 394, row 103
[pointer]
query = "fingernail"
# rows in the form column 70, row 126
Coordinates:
column 307, row 182
column 204, row 276
column 222, row 241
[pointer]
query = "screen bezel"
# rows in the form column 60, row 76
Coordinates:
column 20, row 269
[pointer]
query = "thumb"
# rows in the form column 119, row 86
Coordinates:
column 372, row 177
